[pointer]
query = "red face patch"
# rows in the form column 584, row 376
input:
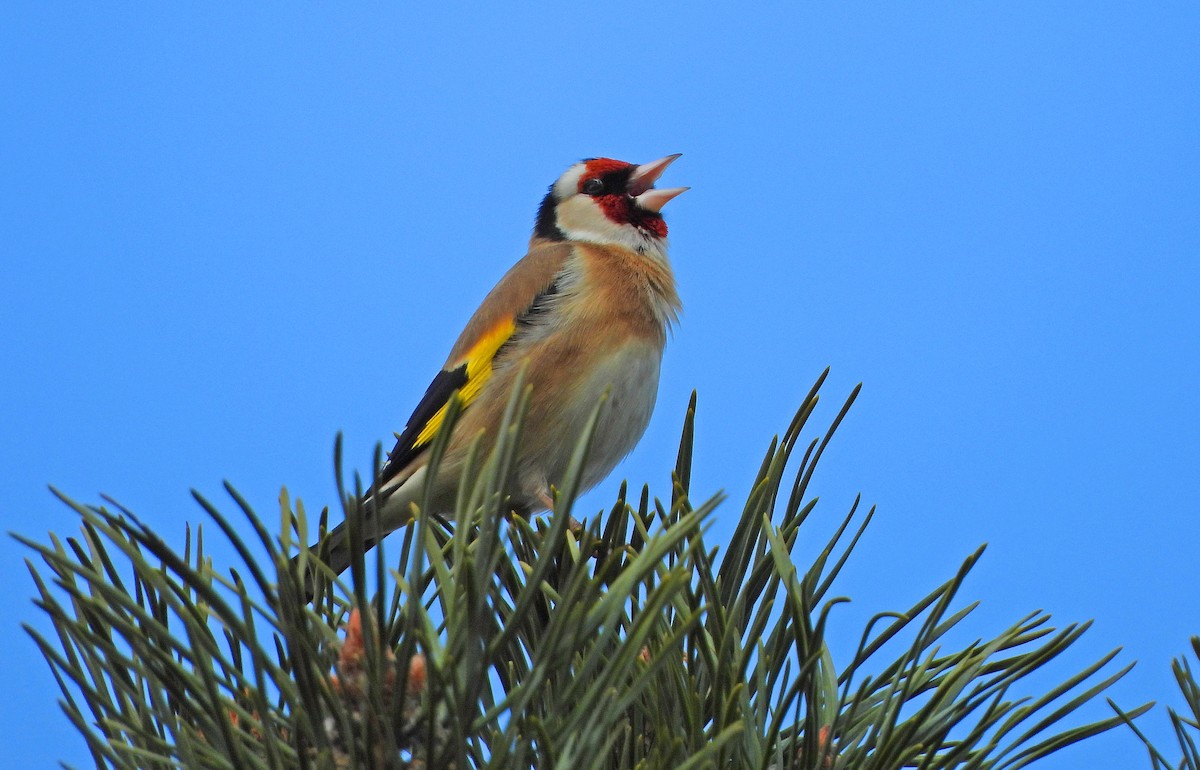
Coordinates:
column 621, row 209
column 615, row 207
column 598, row 167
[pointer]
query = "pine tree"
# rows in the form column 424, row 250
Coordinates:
column 500, row 642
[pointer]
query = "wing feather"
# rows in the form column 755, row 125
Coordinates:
column 507, row 310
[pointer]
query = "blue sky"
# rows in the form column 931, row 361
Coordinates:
column 229, row 234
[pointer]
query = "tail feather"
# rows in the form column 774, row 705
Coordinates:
column 337, row 554
column 394, row 511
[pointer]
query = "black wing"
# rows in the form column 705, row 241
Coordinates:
column 407, row 448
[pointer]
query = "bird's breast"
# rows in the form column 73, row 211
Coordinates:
column 623, row 287
column 600, row 338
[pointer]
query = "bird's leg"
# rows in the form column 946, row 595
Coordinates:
column 547, row 498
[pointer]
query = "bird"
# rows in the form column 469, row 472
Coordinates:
column 583, row 315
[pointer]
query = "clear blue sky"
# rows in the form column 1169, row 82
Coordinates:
column 229, row 234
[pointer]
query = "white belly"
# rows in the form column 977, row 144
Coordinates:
column 630, row 378
column 633, row 378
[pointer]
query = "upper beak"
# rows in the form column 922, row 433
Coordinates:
column 641, row 183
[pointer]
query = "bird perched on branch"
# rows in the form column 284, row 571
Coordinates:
column 585, row 312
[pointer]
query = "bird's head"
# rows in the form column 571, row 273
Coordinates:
column 600, row 200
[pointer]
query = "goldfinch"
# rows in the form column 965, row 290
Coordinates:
column 585, row 312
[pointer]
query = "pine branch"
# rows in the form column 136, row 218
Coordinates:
column 1186, row 727
column 501, row 642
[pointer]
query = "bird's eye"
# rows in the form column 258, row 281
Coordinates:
column 593, row 187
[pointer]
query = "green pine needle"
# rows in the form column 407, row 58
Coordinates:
column 499, row 642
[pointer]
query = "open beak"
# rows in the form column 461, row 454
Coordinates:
column 641, row 184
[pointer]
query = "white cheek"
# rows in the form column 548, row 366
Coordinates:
column 581, row 219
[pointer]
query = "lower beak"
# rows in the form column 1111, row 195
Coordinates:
column 654, row 199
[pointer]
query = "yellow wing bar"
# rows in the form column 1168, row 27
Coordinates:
column 478, row 361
